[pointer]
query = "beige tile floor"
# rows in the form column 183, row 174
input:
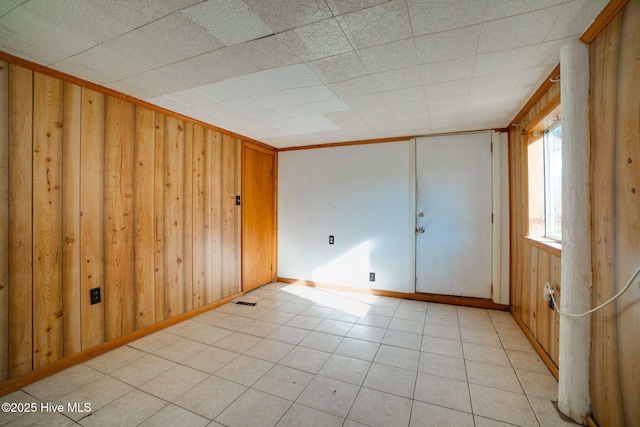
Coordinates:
column 310, row 357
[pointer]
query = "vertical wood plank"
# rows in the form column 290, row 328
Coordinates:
column 627, row 208
column 607, row 407
column 200, row 225
column 174, row 216
column 230, row 244
column 20, row 221
column 543, row 311
column 119, row 219
column 4, row 220
column 144, row 206
column 71, row 262
column 555, row 326
column 188, row 217
column 92, row 215
column 159, row 220
column 214, row 289
column 532, row 322
column 47, row 220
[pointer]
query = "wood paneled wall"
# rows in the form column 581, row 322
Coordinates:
column 615, row 186
column 96, row 191
column 532, row 264
column 615, row 172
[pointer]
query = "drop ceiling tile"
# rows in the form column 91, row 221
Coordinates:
column 504, row 60
column 481, row 122
column 398, row 79
column 230, row 21
column 222, row 91
column 36, row 30
column 338, row 68
column 188, row 73
column 549, row 53
column 390, row 56
column 283, row 15
column 136, row 13
column 317, row 40
column 365, row 101
column 296, row 96
column 455, row 69
column 166, row 102
column 289, row 77
column 246, row 105
column 434, row 16
column 354, row 87
column 18, row 46
column 496, row 99
column 246, row 121
column 78, row 17
column 497, row 9
column 219, row 110
column 391, row 24
column 267, row 52
column 107, row 62
column 447, row 105
column 340, row 7
column 493, row 82
column 415, row 123
column 131, row 89
column 320, row 107
column 268, row 115
column 516, row 31
column 305, row 125
column 373, row 112
column 446, row 122
column 192, row 98
column 157, row 82
column 408, row 107
column 447, row 45
column 401, row 96
column 576, row 16
column 8, row 5
column 223, row 64
column 535, row 76
column 347, row 115
column 165, row 41
column 447, row 89
column 521, row 94
column 79, row 67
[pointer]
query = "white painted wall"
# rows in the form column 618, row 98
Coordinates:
column 360, row 194
column 364, row 195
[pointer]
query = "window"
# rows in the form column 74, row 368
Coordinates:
column 544, row 161
column 553, row 181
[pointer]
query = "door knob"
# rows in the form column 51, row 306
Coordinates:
column 420, row 230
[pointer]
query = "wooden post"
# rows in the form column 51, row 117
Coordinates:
column 577, row 276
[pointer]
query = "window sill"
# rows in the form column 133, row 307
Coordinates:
column 547, row 245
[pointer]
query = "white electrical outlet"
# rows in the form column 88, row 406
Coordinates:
column 547, row 291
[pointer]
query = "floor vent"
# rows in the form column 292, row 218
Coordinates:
column 246, row 303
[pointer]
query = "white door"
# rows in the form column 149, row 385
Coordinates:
column 453, row 215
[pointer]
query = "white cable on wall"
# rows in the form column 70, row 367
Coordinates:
column 550, row 292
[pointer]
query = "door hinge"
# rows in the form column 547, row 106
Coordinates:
column 491, row 218
column 492, row 290
column 492, row 147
